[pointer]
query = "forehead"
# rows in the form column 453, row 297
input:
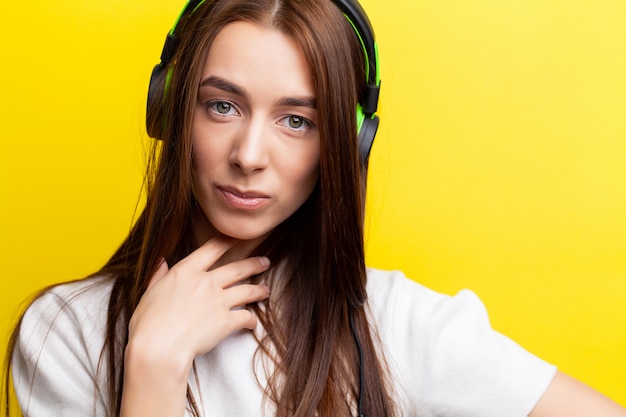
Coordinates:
column 248, row 53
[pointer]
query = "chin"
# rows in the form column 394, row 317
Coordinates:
column 243, row 232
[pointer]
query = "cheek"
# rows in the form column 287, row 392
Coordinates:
column 207, row 153
column 305, row 170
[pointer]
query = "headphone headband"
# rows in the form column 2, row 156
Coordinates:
column 363, row 28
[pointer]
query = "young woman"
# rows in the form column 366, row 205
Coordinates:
column 242, row 288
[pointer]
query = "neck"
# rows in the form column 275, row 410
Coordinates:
column 204, row 231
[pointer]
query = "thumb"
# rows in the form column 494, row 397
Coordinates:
column 159, row 274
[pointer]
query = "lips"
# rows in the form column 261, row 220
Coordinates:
column 243, row 200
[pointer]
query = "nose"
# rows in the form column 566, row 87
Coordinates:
column 250, row 149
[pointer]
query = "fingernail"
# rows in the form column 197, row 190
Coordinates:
column 264, row 261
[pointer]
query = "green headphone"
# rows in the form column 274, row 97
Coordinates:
column 367, row 120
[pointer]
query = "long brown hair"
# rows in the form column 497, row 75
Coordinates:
column 322, row 276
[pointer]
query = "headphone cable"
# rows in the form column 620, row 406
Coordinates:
column 360, row 351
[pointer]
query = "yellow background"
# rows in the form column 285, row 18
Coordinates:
column 500, row 164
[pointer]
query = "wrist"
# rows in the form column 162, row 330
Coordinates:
column 157, row 358
column 155, row 382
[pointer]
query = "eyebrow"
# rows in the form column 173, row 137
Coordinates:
column 223, row 85
column 297, row 102
column 227, row 86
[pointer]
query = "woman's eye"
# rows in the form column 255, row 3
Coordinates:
column 223, row 108
column 296, row 122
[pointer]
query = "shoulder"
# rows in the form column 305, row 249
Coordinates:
column 390, row 291
column 398, row 302
column 83, row 303
column 407, row 311
column 444, row 356
column 66, row 316
column 58, row 347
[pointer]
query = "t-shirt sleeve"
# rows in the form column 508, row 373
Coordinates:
column 445, row 358
column 56, row 357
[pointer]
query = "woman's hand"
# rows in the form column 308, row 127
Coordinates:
column 186, row 311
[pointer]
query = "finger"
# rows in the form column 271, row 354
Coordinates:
column 241, row 295
column 159, row 274
column 242, row 319
column 207, row 254
column 234, row 272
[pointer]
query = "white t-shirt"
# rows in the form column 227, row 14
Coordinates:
column 444, row 358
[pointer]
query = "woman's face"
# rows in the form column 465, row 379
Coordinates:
column 256, row 147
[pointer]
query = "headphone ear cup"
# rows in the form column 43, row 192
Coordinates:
column 367, row 128
column 154, row 103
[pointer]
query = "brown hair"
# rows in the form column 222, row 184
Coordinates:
column 319, row 248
